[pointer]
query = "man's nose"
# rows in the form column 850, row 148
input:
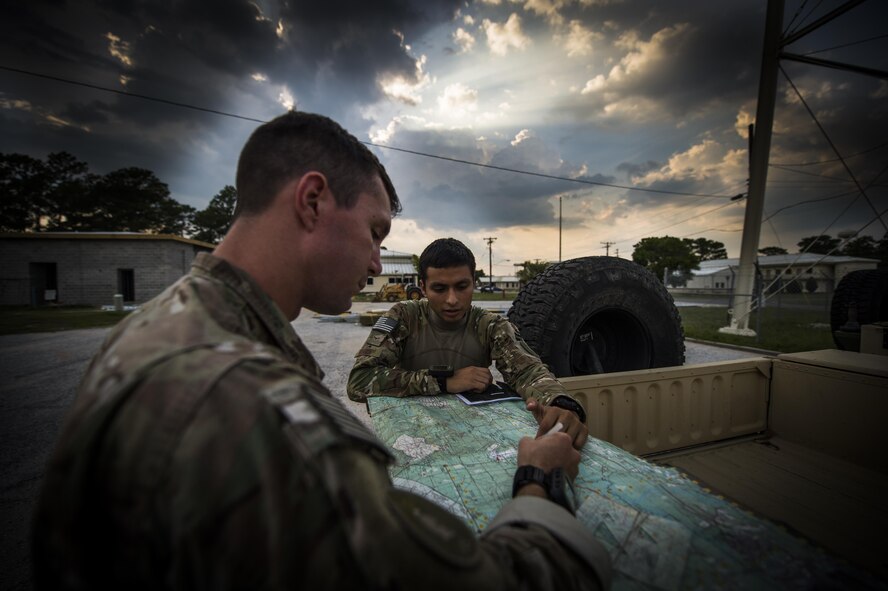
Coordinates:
column 451, row 296
column 375, row 264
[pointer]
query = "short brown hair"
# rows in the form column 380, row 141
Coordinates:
column 288, row 146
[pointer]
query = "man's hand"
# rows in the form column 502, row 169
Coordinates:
column 548, row 416
column 547, row 452
column 475, row 379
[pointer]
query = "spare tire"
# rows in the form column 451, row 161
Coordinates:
column 861, row 297
column 599, row 315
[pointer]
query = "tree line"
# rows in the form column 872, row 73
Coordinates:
column 60, row 194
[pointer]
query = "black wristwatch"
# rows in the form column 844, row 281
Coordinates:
column 570, row 404
column 555, row 483
column 441, row 373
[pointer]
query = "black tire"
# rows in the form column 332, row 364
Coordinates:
column 391, row 298
column 414, row 293
column 618, row 307
column 861, row 297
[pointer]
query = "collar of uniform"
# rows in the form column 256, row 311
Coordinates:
column 263, row 306
column 437, row 322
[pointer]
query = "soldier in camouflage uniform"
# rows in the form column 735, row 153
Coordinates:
column 203, row 451
column 446, row 330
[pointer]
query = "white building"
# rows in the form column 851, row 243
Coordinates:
column 507, row 282
column 810, row 272
column 397, row 267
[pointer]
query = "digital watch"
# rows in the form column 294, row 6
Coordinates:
column 556, row 484
column 441, row 373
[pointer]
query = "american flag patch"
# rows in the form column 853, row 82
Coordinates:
column 385, row 324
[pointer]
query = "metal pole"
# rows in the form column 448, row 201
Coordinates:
column 559, row 228
column 752, row 222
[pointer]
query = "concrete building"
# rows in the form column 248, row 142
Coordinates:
column 507, row 282
column 89, row 268
column 810, row 273
column 397, row 267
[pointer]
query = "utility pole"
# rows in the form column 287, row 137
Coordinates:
column 607, row 246
column 758, row 173
column 490, row 257
column 618, row 253
column 559, row 228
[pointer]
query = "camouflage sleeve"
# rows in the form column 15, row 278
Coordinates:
column 376, row 371
column 521, row 367
column 289, row 494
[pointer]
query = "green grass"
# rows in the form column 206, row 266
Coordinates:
column 785, row 330
column 20, row 319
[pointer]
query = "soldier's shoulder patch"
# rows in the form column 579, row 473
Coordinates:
column 386, row 324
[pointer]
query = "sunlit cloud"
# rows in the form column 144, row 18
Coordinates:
column 464, row 40
column 405, row 90
column 578, row 40
column 549, row 9
column 705, row 161
column 458, row 97
column 285, row 98
column 259, row 77
column 119, row 49
column 503, row 37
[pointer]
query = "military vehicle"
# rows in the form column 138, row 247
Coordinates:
column 796, row 438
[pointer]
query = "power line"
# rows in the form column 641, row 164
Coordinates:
column 846, row 45
column 382, row 146
column 832, row 145
column 862, row 152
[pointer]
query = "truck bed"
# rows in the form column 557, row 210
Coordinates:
column 830, row 501
column 798, row 439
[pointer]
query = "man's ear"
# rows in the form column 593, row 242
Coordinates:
column 306, row 198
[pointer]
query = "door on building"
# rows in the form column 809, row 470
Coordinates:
column 126, row 284
column 44, row 283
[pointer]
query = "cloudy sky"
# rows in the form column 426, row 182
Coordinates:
column 646, row 102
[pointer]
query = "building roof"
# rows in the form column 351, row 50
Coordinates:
column 397, row 269
column 782, row 260
column 103, row 236
column 704, row 272
column 392, row 254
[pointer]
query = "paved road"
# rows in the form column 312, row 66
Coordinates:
column 38, row 378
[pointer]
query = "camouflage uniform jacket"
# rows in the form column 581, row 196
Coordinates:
column 203, row 452
column 389, row 363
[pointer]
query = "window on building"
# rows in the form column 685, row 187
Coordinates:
column 369, row 280
column 788, row 272
column 809, row 271
column 126, row 284
column 392, row 280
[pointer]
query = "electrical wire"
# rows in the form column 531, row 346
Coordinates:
column 381, row 146
column 847, row 44
column 831, row 144
column 867, row 151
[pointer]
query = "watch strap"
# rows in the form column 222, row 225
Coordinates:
column 442, row 384
column 527, row 475
column 557, row 484
column 568, row 403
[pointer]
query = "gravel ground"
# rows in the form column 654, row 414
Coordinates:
column 39, row 374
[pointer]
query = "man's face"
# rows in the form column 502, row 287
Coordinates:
column 449, row 291
column 350, row 249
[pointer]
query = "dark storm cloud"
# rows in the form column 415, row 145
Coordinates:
column 194, row 52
